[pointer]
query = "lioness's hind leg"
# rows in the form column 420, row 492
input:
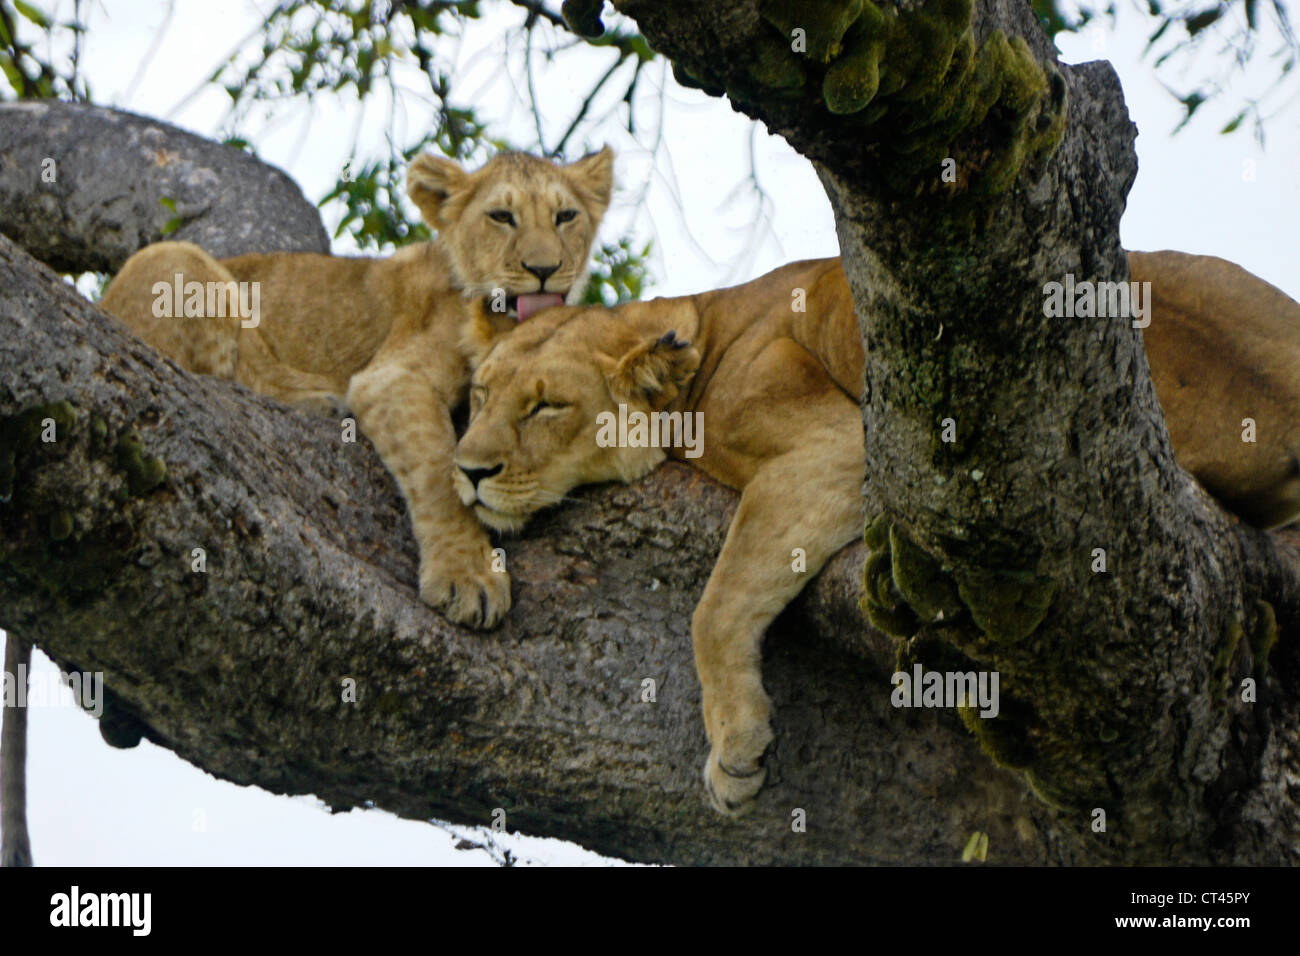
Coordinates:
column 150, row 294
column 757, row 574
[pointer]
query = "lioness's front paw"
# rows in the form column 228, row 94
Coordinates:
column 741, row 734
column 471, row 594
column 731, row 789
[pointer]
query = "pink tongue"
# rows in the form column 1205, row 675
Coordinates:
column 533, row 303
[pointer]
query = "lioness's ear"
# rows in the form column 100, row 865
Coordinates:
column 656, row 370
column 593, row 178
column 431, row 181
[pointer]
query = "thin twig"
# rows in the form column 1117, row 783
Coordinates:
column 586, row 105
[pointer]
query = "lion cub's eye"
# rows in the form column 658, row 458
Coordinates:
column 565, row 215
column 502, row 215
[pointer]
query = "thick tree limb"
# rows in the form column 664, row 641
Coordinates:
column 112, row 170
column 310, row 581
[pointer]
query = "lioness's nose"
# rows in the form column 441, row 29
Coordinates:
column 542, row 272
column 475, row 475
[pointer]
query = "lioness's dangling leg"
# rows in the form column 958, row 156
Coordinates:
column 756, row 576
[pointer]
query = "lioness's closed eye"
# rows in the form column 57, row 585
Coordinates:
column 781, row 422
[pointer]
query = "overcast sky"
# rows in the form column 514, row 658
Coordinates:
column 686, row 189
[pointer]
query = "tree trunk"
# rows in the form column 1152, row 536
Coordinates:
column 1004, row 448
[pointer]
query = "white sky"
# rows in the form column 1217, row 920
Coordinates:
column 92, row 805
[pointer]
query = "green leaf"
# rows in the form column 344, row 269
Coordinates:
column 1160, row 30
column 168, row 203
column 1191, row 102
column 1233, row 123
column 32, row 14
column 11, row 72
column 172, row 225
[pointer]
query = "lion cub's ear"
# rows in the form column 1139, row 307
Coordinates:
column 655, row 370
column 592, row 177
column 430, row 182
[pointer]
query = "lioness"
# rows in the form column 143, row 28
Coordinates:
column 397, row 336
column 779, row 393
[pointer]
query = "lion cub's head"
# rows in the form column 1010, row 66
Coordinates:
column 536, row 407
column 517, row 232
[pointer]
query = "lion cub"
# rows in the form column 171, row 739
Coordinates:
column 398, row 336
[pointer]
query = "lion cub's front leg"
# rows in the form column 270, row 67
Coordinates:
column 755, row 577
column 401, row 403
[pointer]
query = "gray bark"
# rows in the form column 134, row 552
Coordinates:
column 111, row 172
column 15, row 847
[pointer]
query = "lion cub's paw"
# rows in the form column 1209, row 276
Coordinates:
column 468, row 593
column 734, row 772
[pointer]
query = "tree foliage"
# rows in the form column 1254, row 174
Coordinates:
column 1197, row 48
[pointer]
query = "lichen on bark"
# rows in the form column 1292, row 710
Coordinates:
column 911, row 79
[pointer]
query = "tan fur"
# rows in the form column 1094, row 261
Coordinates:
column 398, row 336
column 1222, row 345
column 779, row 392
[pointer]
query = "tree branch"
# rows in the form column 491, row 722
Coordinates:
column 310, row 581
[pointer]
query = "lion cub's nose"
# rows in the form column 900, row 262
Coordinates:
column 542, row 272
column 475, row 475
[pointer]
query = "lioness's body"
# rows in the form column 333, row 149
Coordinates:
column 779, row 391
column 1224, row 346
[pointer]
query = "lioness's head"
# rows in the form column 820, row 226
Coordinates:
column 518, row 231
column 536, row 404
